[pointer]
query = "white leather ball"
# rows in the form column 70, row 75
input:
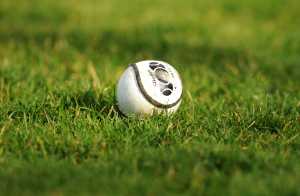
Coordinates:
column 149, row 87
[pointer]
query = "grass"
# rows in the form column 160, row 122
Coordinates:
column 237, row 130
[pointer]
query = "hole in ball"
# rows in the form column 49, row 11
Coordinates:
column 162, row 75
column 167, row 92
column 170, row 86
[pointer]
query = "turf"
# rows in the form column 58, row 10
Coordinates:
column 236, row 132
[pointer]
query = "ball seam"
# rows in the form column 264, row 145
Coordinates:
column 146, row 95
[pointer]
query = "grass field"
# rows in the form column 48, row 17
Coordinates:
column 236, row 132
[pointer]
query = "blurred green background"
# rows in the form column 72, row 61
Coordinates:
column 236, row 133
